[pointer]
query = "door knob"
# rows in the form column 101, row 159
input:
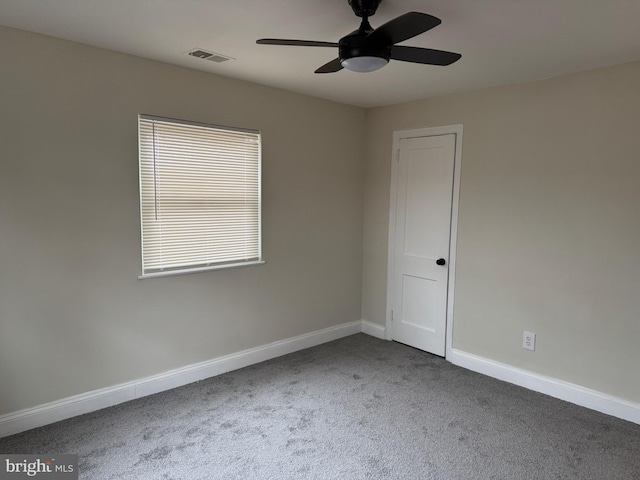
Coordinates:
column 441, row 261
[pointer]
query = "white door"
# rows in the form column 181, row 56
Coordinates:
column 420, row 255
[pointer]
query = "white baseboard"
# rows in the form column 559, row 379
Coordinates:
column 569, row 392
column 374, row 329
column 95, row 400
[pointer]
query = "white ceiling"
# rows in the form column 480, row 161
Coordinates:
column 501, row 41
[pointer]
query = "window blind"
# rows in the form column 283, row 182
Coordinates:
column 199, row 195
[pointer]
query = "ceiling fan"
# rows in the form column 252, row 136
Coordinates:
column 368, row 49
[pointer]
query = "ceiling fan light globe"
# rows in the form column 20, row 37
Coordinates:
column 364, row 64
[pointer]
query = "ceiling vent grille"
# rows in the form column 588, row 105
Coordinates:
column 207, row 55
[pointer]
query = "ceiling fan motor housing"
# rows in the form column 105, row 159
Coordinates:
column 356, row 52
column 358, row 44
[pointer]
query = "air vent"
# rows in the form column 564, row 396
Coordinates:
column 206, row 55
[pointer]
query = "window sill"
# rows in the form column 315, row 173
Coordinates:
column 171, row 273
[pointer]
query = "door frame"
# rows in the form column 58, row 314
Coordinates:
column 415, row 133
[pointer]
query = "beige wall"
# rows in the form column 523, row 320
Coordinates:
column 73, row 315
column 549, row 223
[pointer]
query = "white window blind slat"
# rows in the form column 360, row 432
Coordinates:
column 200, row 193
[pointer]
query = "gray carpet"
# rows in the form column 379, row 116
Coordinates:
column 354, row 408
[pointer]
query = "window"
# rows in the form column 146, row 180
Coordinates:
column 199, row 196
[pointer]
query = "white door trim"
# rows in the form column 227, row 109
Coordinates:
column 426, row 132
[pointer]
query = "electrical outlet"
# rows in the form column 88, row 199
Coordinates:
column 529, row 340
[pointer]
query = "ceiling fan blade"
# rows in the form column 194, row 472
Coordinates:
column 331, row 67
column 295, row 43
column 424, row 55
column 403, row 28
